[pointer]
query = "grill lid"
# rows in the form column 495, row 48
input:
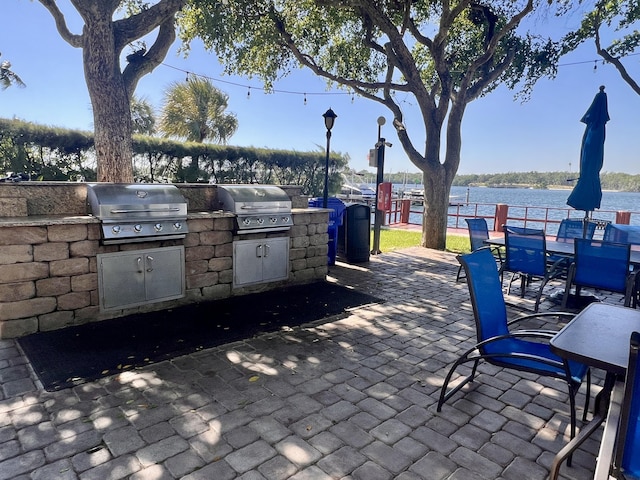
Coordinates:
column 138, row 212
column 247, row 199
column 259, row 208
column 118, row 201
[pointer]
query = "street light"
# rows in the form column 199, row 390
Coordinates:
column 379, row 214
column 329, row 120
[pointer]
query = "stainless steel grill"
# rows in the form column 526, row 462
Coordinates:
column 259, row 208
column 138, row 212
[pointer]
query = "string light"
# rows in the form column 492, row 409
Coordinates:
column 304, row 94
column 249, row 87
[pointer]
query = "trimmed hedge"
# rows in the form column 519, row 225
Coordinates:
column 51, row 153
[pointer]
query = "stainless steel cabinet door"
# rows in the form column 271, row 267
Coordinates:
column 247, row 262
column 121, row 279
column 128, row 279
column 275, row 258
column 164, row 273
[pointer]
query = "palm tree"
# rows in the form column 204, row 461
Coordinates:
column 142, row 116
column 8, row 77
column 195, row 110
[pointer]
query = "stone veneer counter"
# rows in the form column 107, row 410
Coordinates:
column 49, row 272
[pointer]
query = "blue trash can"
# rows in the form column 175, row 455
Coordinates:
column 335, row 220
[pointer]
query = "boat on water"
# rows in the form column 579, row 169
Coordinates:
column 356, row 191
column 417, row 198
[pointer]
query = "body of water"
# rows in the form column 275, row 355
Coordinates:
column 522, row 202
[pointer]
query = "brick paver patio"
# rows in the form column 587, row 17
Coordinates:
column 350, row 399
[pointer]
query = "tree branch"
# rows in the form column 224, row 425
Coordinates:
column 61, row 24
column 134, row 71
column 615, row 61
column 137, row 26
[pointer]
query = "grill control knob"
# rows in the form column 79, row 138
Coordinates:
column 261, row 221
column 137, row 228
column 115, row 229
column 246, row 221
column 177, row 226
column 273, row 219
column 157, row 227
column 285, row 219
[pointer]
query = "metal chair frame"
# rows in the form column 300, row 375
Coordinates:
column 525, row 350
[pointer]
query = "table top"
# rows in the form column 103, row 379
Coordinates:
column 599, row 337
column 564, row 248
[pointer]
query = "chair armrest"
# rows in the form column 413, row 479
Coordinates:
column 567, row 315
column 608, row 443
column 533, row 334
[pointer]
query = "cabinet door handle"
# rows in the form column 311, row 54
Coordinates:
column 149, row 263
column 259, row 251
column 267, row 248
column 139, row 262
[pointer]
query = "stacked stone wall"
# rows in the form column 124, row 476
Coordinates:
column 49, row 272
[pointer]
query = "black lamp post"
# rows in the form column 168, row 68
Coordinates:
column 329, row 119
column 379, row 214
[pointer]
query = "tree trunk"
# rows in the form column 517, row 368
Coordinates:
column 436, row 205
column 110, row 102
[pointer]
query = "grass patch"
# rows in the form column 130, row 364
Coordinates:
column 391, row 239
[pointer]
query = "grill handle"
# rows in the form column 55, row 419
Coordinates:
column 147, row 210
column 260, row 207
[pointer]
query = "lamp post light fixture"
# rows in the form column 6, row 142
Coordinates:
column 379, row 214
column 329, row 120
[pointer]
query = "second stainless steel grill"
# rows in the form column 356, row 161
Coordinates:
column 259, row 208
column 138, row 212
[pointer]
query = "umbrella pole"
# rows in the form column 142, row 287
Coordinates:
column 585, row 222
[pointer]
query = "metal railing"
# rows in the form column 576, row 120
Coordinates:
column 409, row 212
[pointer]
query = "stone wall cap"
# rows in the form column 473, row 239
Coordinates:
column 44, row 220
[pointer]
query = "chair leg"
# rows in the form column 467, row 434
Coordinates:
column 588, row 397
column 539, row 295
column 459, row 273
column 444, row 395
column 567, row 288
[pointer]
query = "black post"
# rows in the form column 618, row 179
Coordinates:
column 325, row 193
column 379, row 214
column 329, row 119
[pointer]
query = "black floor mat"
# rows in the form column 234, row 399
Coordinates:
column 71, row 356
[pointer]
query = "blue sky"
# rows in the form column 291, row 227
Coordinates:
column 499, row 134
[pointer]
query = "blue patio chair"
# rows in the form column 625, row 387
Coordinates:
column 621, row 437
column 622, row 234
column 568, row 230
column 526, row 258
column 522, row 350
column 478, row 233
column 571, row 228
column 603, row 266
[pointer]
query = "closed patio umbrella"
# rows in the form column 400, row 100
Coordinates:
column 587, row 193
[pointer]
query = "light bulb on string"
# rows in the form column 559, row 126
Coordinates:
column 595, row 66
column 249, row 93
column 305, row 98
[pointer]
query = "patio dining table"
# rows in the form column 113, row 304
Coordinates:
column 564, row 248
column 598, row 337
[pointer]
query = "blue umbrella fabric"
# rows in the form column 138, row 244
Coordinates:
column 587, row 193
